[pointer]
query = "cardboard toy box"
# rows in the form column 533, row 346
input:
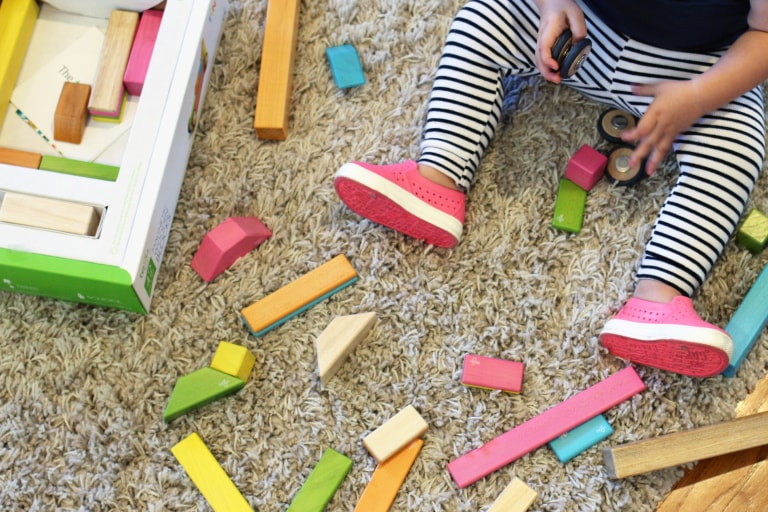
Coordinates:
column 117, row 267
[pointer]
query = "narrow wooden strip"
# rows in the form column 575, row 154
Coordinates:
column 20, row 158
column 387, row 479
column 322, row 483
column 79, row 168
column 141, row 51
column 108, row 88
column 748, row 322
column 17, row 22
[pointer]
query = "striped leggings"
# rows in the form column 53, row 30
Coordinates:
column 719, row 157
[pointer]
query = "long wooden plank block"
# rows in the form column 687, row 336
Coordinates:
column 516, row 497
column 299, row 295
column 17, row 22
column 387, row 479
column 48, row 213
column 278, row 53
column 322, row 482
column 748, row 322
column 79, row 168
column 545, row 427
column 141, row 51
column 687, row 446
column 20, row 158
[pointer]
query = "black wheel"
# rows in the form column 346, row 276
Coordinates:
column 570, row 57
column 618, row 170
column 613, row 122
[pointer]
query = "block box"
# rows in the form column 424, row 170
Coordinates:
column 118, row 267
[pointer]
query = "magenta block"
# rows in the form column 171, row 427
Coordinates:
column 227, row 242
column 492, row 373
column 141, row 51
column 586, row 167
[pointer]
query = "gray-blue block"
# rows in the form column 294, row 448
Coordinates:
column 581, row 438
column 748, row 322
column 345, row 66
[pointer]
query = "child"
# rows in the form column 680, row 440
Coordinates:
column 692, row 71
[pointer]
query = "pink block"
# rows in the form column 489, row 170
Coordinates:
column 586, row 167
column 227, row 242
column 549, row 425
column 141, row 51
column 492, row 373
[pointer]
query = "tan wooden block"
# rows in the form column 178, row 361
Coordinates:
column 107, row 94
column 338, row 340
column 71, row 112
column 47, row 213
column 395, row 434
column 20, row 158
column 516, row 497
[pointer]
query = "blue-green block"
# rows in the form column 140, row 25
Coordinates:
column 748, row 322
column 581, row 438
column 345, row 66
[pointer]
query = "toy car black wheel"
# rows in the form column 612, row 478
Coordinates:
column 570, row 57
column 618, row 170
column 613, row 122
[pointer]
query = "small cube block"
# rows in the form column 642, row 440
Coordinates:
column 227, row 242
column 586, row 167
column 71, row 113
column 569, row 207
column 492, row 373
column 345, row 66
column 234, row 360
column 581, row 438
column 753, row 233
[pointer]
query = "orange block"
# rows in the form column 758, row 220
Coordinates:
column 20, row 158
column 387, row 479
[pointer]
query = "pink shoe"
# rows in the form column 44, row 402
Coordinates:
column 398, row 197
column 669, row 336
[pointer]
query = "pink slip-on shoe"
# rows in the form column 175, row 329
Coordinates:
column 669, row 336
column 399, row 197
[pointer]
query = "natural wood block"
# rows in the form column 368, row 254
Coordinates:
column 322, row 483
column 234, row 360
column 395, row 434
column 20, row 158
column 273, row 97
column 516, row 497
column 686, row 446
column 199, row 388
column 71, row 112
column 47, row 213
column 569, row 206
column 753, row 232
column 338, row 340
column 387, row 479
column 108, row 88
column 17, row 22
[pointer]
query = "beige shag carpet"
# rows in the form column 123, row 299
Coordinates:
column 83, row 389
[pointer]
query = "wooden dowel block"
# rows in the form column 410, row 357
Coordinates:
column 20, row 158
column 395, row 434
column 687, row 446
column 338, row 340
column 322, row 483
column 47, row 213
column 387, row 479
column 71, row 112
column 516, row 497
column 17, row 22
column 141, row 51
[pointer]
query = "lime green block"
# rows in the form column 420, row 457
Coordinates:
column 79, row 168
column 322, row 483
column 569, row 207
column 753, row 233
column 198, row 389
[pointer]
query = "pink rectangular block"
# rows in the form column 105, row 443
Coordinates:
column 141, row 51
column 492, row 373
column 541, row 429
column 586, row 167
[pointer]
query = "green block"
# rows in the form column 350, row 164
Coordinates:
column 322, row 483
column 79, row 168
column 569, row 207
column 198, row 389
column 753, row 233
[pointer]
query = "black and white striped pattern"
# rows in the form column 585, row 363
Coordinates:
column 719, row 157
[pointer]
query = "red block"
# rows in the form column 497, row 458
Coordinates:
column 586, row 167
column 492, row 373
column 227, row 242
column 141, row 51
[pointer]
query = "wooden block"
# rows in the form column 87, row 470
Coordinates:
column 17, row 22
column 20, row 158
column 199, row 388
column 108, row 85
column 492, row 373
column 338, row 340
column 545, row 427
column 322, row 483
column 234, row 360
column 586, row 167
column 516, row 497
column 581, row 438
column 141, row 51
column 299, row 295
column 345, row 66
column 79, row 168
column 208, row 475
column 387, row 479
column 395, row 434
column 748, row 322
column 753, row 232
column 226, row 243
column 112, row 118
column 273, row 97
column 686, row 446
column 569, row 207
column 47, row 213
column 71, row 112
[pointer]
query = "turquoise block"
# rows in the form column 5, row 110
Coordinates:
column 345, row 66
column 748, row 322
column 581, row 438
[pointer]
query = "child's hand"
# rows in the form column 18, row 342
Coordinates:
column 556, row 17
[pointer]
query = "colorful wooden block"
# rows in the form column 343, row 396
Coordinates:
column 20, row 158
column 387, row 479
column 748, row 322
column 545, row 427
column 48, row 213
column 79, row 168
column 581, row 438
column 299, row 295
column 208, row 475
column 71, row 113
column 17, row 22
column 234, row 360
column 199, row 388
column 753, row 232
column 687, row 446
column 108, row 87
column 273, row 97
column 395, row 434
column 112, row 118
column 322, row 482
column 516, row 497
column 492, row 373
column 338, row 340
column 569, row 206
column 226, row 243
column 141, row 51
column 345, row 66
column 586, row 167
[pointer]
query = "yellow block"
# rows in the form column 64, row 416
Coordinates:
column 17, row 21
column 234, row 360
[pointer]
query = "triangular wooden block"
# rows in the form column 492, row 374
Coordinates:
column 198, row 389
column 339, row 339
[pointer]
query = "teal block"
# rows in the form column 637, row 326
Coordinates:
column 199, row 388
column 753, row 233
column 748, row 322
column 345, row 66
column 322, row 483
column 569, row 206
column 581, row 438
